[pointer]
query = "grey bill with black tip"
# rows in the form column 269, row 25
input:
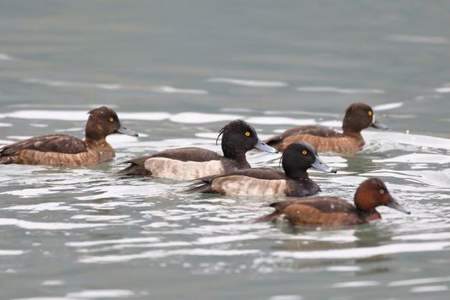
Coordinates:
column 395, row 205
column 264, row 147
column 323, row 167
column 126, row 131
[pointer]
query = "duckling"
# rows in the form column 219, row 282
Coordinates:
column 294, row 181
column 358, row 116
column 333, row 211
column 190, row 163
column 69, row 151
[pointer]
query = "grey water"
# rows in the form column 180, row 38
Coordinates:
column 177, row 71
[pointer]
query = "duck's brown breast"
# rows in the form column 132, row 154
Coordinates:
column 183, row 170
column 342, row 144
column 237, row 185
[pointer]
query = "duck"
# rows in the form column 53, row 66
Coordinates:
column 68, row 151
column 332, row 211
column 294, row 181
column 358, row 117
column 189, row 163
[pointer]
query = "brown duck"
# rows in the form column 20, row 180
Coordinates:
column 334, row 211
column 358, row 116
column 66, row 150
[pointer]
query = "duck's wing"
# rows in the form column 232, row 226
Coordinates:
column 59, row 143
column 320, row 131
column 186, row 154
column 315, row 211
column 256, row 181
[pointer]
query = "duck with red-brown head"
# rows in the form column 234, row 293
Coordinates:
column 333, row 211
column 66, row 150
column 358, row 117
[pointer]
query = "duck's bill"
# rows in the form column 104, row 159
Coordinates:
column 264, row 147
column 379, row 125
column 395, row 205
column 126, row 131
column 323, row 167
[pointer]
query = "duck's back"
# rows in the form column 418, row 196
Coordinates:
column 322, row 138
column 53, row 149
column 328, row 211
column 181, row 163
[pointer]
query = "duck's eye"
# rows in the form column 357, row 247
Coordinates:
column 370, row 113
column 382, row 191
column 247, row 133
column 305, row 152
column 111, row 120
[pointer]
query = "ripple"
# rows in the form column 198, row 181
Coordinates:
column 46, row 225
column 331, row 89
column 355, row 284
column 4, row 56
column 200, row 118
column 11, row 252
column 365, row 252
column 164, row 89
column 96, row 294
column 387, row 106
column 165, row 253
column 249, row 83
column 418, row 39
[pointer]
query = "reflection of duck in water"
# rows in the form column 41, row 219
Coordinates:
column 358, row 116
column 334, row 211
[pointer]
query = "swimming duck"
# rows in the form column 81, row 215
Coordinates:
column 358, row 116
column 190, row 163
column 334, row 211
column 294, row 181
column 66, row 150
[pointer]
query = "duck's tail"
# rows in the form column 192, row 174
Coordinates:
column 202, row 185
column 134, row 170
column 272, row 216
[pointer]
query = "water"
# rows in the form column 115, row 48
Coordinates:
column 177, row 71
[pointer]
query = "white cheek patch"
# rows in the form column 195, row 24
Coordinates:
column 237, row 185
column 183, row 170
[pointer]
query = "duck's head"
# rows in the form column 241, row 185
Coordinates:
column 299, row 157
column 373, row 192
column 359, row 116
column 104, row 121
column 238, row 137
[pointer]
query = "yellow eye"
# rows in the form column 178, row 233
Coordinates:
column 111, row 119
column 304, row 152
column 247, row 133
column 382, row 191
column 370, row 113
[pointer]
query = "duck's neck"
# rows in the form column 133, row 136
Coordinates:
column 351, row 132
column 369, row 215
column 237, row 156
column 97, row 143
column 301, row 175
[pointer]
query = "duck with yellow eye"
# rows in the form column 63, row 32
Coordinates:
column 69, row 151
column 358, row 117
column 294, row 181
column 189, row 163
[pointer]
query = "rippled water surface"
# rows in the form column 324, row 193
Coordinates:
column 177, row 71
